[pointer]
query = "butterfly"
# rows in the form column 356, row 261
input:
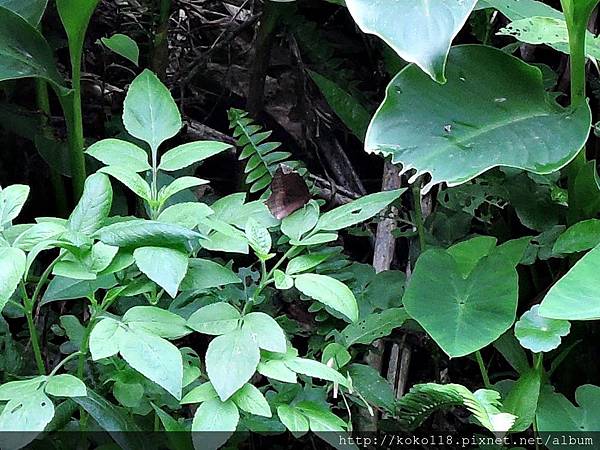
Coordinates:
column 289, row 192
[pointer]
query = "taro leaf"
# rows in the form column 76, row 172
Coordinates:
column 374, row 326
column 580, row 237
column 430, row 128
column 462, row 314
column 556, row 413
column 576, row 296
column 30, row 10
column 539, row 334
column 123, row 46
column 24, row 53
column 419, row 31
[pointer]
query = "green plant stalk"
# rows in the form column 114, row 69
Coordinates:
column 77, row 143
column 160, row 54
column 483, row 369
column 416, row 192
column 63, row 362
column 33, row 335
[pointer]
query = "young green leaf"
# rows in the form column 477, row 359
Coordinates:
column 301, row 221
column 277, row 370
column 93, row 207
column 105, row 338
column 205, row 274
column 258, row 237
column 20, row 388
column 328, row 291
column 146, row 233
column 12, row 200
column 123, row 46
column 130, row 179
column 293, row 419
column 165, row 266
column 216, row 319
column 180, row 184
column 540, row 334
column 115, row 152
column 522, row 400
column 231, row 360
column 282, row 280
column 315, row 369
column 214, row 415
column 188, row 214
column 251, row 400
column 200, row 394
column 156, row 321
column 149, row 111
column 65, row 385
column 265, row 331
column 187, row 154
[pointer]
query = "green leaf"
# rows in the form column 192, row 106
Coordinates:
column 453, row 143
column 205, row 274
column 277, row 370
column 556, row 413
column 282, row 280
column 61, row 288
column 216, row 319
column 12, row 268
column 258, row 237
column 146, row 233
column 462, row 314
column 421, row 32
column 328, row 291
column 511, row 350
column 156, row 321
column 21, row 388
column 187, row 154
column 94, row 205
column 30, row 413
column 105, row 338
column 251, row 400
column 351, row 112
column 301, row 221
column 123, row 46
column 75, row 16
column 149, row 111
column 186, row 214
column 65, row 385
column 357, row 211
column 317, row 239
column 373, row 387
column 130, row 179
column 155, row 358
column 115, row 152
column 180, row 184
column 335, row 355
column 320, row 418
column 315, row 369
column 39, row 232
column 231, row 360
column 468, row 253
column 265, row 331
column 293, row 420
column 12, row 200
column 165, row 266
column 580, row 237
column 374, row 326
column 24, row 53
column 200, row 394
column 32, row 11
column 522, row 400
column 214, row 416
column 576, row 296
column 305, row 262
column 539, row 334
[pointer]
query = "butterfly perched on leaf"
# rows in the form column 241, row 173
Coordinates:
column 289, row 192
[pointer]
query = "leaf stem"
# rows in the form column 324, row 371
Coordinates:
column 416, row 192
column 33, row 335
column 483, row 370
column 63, row 362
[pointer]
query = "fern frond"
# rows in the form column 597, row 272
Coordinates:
column 261, row 155
column 425, row 399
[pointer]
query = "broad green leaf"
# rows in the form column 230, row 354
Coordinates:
column 320, row 418
column 251, row 400
column 301, row 221
column 282, row 280
column 420, row 32
column 580, row 237
column 190, row 153
column 94, row 205
column 165, row 266
column 130, row 179
column 468, row 253
column 223, row 237
column 576, row 296
column 21, row 388
column 123, row 46
column 75, row 16
column 351, row 112
column 258, row 237
column 357, row 211
column 186, row 214
column 32, row 10
column 265, row 331
column 277, row 370
column 200, row 394
column 316, row 239
column 335, row 355
column 304, row 263
column 146, row 233
column 315, row 369
column 30, row 413
column 328, row 291
column 105, row 338
column 540, row 334
column 231, row 360
column 522, row 400
column 156, row 321
column 293, row 420
column 556, row 413
column 180, row 184
column 453, row 143
column 374, row 326
column 520, row 9
column 61, row 288
column 462, row 314
column 128, row 394
column 65, row 385
column 12, row 268
column 220, row 418
column 24, row 53
column 155, row 358
column 216, row 319
column 39, row 232
column 12, row 200
column 373, row 387
column 149, row 111
column 115, row 152
column 206, row 274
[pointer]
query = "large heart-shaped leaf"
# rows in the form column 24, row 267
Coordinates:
column 420, row 31
column 462, row 313
column 31, row 10
column 431, row 128
column 24, row 53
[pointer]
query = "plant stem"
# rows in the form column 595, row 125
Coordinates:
column 160, row 53
column 482, row 368
column 416, row 192
column 63, row 362
column 35, row 343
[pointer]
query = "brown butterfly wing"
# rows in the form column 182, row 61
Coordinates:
column 289, row 193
